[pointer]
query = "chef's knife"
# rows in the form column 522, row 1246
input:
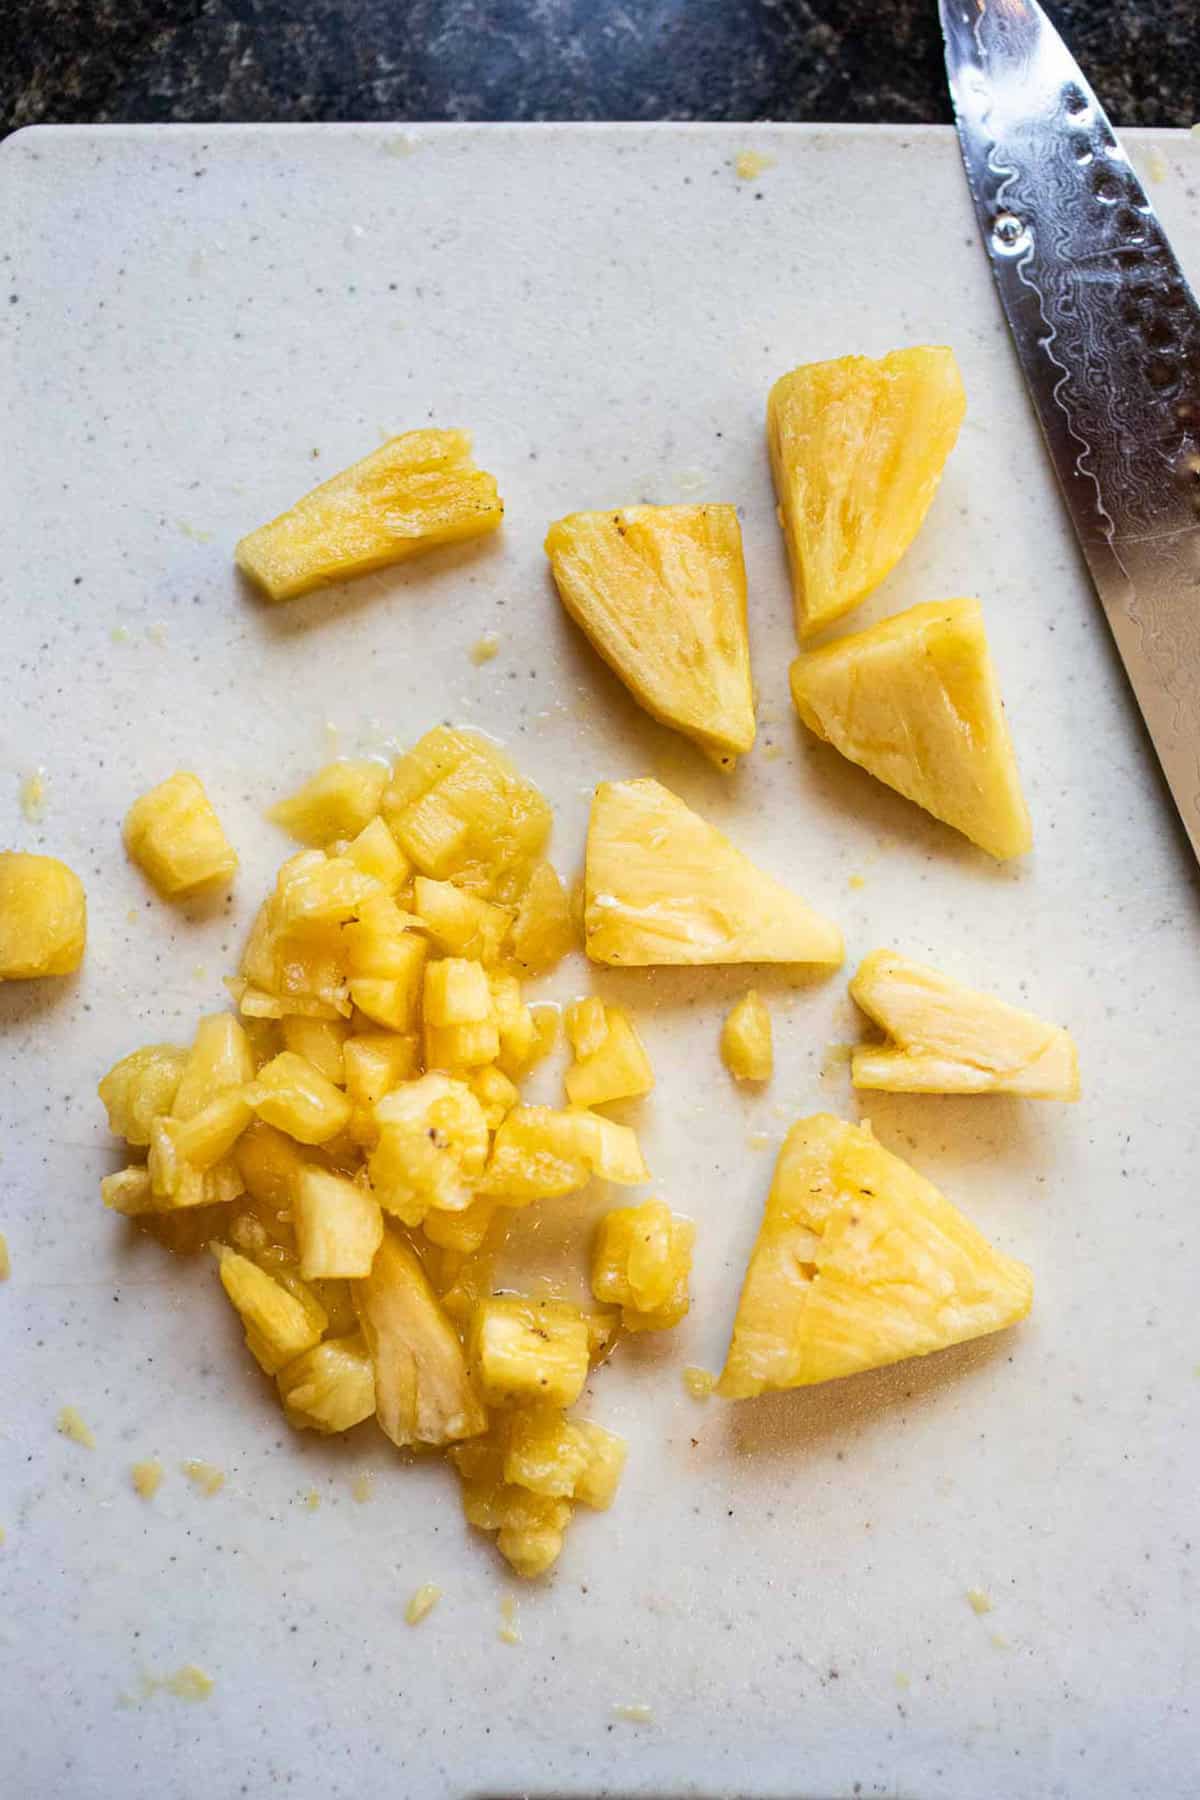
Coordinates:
column 1108, row 333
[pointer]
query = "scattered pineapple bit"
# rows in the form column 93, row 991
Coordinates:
column 746, row 1048
column 641, row 1260
column 312, row 1499
column 947, row 1039
column 539, row 1154
column 750, row 164
column 146, row 1478
column 424, row 1393
column 635, row 1713
column 510, row 1630
column 660, row 592
column 860, row 1262
column 331, row 1387
column 699, row 1383
column 914, row 700
column 43, row 917
column 362, row 1488
column 979, row 1601
column 189, row 1683
column 415, row 492
column 340, row 801
column 483, row 650
column 5, row 1261
column 664, row 886
column 422, row 1603
column 206, row 1476
column 610, row 1058
column 72, row 1426
column 524, row 1349
column 543, row 931
column 33, row 796
column 175, row 837
column 857, row 451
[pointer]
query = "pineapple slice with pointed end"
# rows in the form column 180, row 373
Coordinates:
column 664, row 886
column 660, row 591
column 948, row 1039
column 914, row 701
column 331, row 1387
column 43, row 917
column 641, row 1260
column 280, row 1325
column 423, row 1390
column 338, row 1225
column 414, row 493
column 542, row 931
column 746, row 1048
column 860, row 1262
column 339, row 801
column 174, row 835
column 857, row 451
column 610, row 1058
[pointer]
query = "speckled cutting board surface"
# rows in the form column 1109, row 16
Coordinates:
column 195, row 327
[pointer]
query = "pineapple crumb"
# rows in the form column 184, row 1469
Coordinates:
column 422, row 1603
column 903, row 1682
column 5, row 1261
column 750, row 164
column 312, row 1499
column 73, row 1427
column 699, row 1382
column 199, row 972
column 635, row 1713
column 157, row 634
column 483, row 650
column 857, row 881
column 33, row 796
column 510, row 1630
column 979, row 1601
column 758, row 1140
column 119, row 634
column 133, row 916
column 188, row 1683
column 998, row 1640
column 206, row 1476
column 1157, row 166
column 1, row 1534
column 332, row 736
column 691, row 481
column 362, row 1488
column 147, row 1478
column 772, row 752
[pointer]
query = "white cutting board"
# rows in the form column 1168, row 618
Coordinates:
column 202, row 324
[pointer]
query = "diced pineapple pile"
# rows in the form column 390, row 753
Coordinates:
column 352, row 1137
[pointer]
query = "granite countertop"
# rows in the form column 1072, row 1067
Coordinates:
column 206, row 60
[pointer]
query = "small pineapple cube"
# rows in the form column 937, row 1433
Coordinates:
column 279, row 1326
column 315, row 890
column 220, row 1058
column 331, row 1387
column 433, row 1144
column 460, row 924
column 174, row 835
column 457, row 993
column 140, row 1087
column 423, row 1389
column 196, row 1143
column 519, row 1042
column 641, row 1261
column 543, row 932
column 524, row 1349
column 539, row 1153
column 375, row 1062
column 414, row 493
column 338, row 1225
column 338, row 802
column 545, row 1452
column 610, row 1058
column 292, row 1095
column 495, row 1093
column 597, row 1486
column 746, row 1048
column 462, row 1231
column 376, row 852
column 531, row 1537
column 43, row 917
column 129, row 1192
column 460, row 1048
column 269, row 1164
column 320, row 1041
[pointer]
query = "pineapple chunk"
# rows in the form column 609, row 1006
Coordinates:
column 376, row 852
column 459, row 809
column 322, row 1042
column 663, row 886
column 279, row 1325
column 292, row 1095
column 610, row 1058
column 597, row 1485
column 129, row 1192
column 179, row 1146
column 331, row 1387
column 540, row 1154
column 860, row 1262
column 641, row 1261
column 543, row 931
column 460, row 1022
column 520, row 1043
column 414, row 493
column 314, row 890
column 562, row 1459
column 433, row 1142
column 338, row 802
column 375, row 1062
column 524, row 1349
column 947, row 1039
column 175, row 837
column 529, row 1526
column 140, row 1087
column 857, row 451
column 746, row 1048
column 269, row 1164
column 495, row 1093
column 220, row 1058
column 338, row 1225
column 660, row 592
column 914, row 701
column 459, row 923
column 423, row 1390
column 43, row 917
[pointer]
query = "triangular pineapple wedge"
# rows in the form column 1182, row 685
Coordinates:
column 947, row 1039
column 914, row 700
column 661, row 593
column 860, row 1262
column 857, row 451
column 663, row 886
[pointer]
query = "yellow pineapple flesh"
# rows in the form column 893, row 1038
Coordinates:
column 611, row 1063
column 664, row 886
column 339, row 1225
column 947, row 1039
column 542, row 931
column 746, row 1045
column 330, row 1387
column 338, row 802
column 529, row 1350
column 641, row 1261
column 857, row 452
column 860, row 1262
column 416, row 492
column 915, row 702
column 43, row 917
column 423, row 1390
column 140, row 1087
column 660, row 591
column 174, row 835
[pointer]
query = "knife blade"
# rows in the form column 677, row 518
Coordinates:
column 1108, row 334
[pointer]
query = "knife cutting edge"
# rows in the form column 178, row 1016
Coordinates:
column 1108, row 334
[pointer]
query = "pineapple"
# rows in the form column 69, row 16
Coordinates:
column 914, row 701
column 660, row 592
column 529, row 1527
column 220, row 1059
column 857, row 451
column 433, row 1143
column 641, row 1260
column 460, row 811
column 280, row 1326
column 520, row 1042
column 561, row 1458
column 423, row 1390
column 269, row 1163
column 460, row 1020
column 295, row 1097
column 140, row 1087
column 375, row 1062
column 331, row 1387
column 338, row 1225
column 495, row 1093
column 376, row 852
column 414, row 493
column 860, row 1262
column 947, row 1039
column 540, row 1154
column 524, row 1349
column 322, row 1042
column 315, row 891
column 43, row 917
column 339, row 801
column 459, row 923
column 129, row 1192
column 664, row 886
column 610, row 1058
column 175, row 837
column 542, row 931
column 386, row 964
column 464, row 1231
column 746, row 1048
column 182, row 1151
